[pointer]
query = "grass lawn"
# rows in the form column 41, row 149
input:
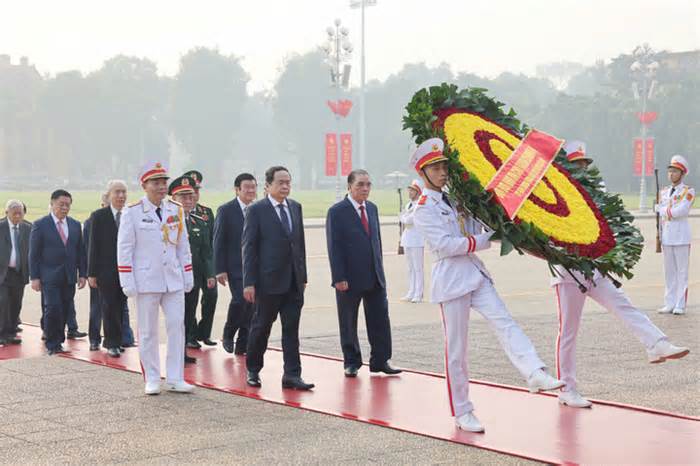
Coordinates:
column 315, row 203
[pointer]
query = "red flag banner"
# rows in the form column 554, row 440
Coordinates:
column 649, row 167
column 519, row 175
column 638, row 151
column 345, row 153
column 331, row 154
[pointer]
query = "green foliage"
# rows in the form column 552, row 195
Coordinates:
column 522, row 237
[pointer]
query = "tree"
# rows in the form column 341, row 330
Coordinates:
column 207, row 97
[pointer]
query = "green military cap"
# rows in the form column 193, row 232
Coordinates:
column 182, row 185
column 196, row 176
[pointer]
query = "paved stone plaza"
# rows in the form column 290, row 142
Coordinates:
column 55, row 410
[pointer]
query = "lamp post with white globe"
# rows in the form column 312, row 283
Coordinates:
column 643, row 71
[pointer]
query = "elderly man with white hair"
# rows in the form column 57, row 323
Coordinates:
column 14, row 269
column 102, row 264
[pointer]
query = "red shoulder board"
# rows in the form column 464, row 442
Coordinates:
column 422, row 199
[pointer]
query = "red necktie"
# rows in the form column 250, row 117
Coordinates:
column 363, row 219
column 59, row 225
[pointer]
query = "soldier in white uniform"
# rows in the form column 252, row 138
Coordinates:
column 674, row 207
column 155, row 268
column 412, row 243
column 460, row 282
column 570, row 301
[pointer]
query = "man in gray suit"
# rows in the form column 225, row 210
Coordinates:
column 14, row 269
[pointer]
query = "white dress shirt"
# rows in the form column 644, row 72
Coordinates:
column 64, row 224
column 357, row 206
column 13, row 254
column 286, row 209
column 244, row 206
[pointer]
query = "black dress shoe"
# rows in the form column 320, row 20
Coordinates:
column 228, row 345
column 253, row 379
column 114, row 352
column 209, row 342
column 128, row 345
column 121, row 349
column 75, row 335
column 59, row 349
column 386, row 368
column 351, row 371
column 43, row 337
column 190, row 359
column 296, row 383
column 94, row 346
column 193, row 344
column 19, row 329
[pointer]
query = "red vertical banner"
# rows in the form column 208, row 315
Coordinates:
column 331, row 154
column 638, row 150
column 345, row 153
column 649, row 149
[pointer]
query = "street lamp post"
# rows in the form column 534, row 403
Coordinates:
column 643, row 71
column 338, row 50
column 362, row 4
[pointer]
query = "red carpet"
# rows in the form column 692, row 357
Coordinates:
column 517, row 423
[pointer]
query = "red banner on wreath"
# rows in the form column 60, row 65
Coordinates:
column 518, row 176
column 331, row 154
column 345, row 153
column 639, row 150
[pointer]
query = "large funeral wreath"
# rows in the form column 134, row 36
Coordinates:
column 569, row 219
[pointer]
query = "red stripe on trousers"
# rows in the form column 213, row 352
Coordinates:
column 447, row 370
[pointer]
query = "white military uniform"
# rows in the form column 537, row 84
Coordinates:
column 674, row 206
column 155, row 266
column 412, row 242
column 570, row 303
column 460, row 282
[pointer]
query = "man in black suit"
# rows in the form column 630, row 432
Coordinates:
column 355, row 254
column 14, row 269
column 274, row 276
column 56, row 263
column 102, row 265
column 228, row 230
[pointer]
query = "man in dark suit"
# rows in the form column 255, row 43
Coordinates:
column 274, row 276
column 14, row 269
column 56, row 262
column 228, row 230
column 102, row 265
column 355, row 254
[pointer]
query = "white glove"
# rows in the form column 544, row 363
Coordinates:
column 129, row 292
column 483, row 241
column 188, row 287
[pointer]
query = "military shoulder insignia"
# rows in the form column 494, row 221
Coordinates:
column 134, row 204
column 196, row 216
column 175, row 202
column 422, row 200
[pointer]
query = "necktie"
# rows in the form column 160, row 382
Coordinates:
column 160, row 217
column 285, row 219
column 118, row 219
column 363, row 219
column 446, row 199
column 61, row 233
column 673, row 188
column 15, row 234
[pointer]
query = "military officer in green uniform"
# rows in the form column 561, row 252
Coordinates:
column 209, row 295
column 182, row 190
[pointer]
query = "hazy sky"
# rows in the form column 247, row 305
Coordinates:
column 484, row 37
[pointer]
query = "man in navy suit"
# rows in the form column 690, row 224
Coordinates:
column 57, row 260
column 355, row 254
column 274, row 276
column 228, row 231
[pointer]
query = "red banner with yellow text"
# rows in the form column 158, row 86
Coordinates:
column 518, row 176
column 331, row 154
column 345, row 154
